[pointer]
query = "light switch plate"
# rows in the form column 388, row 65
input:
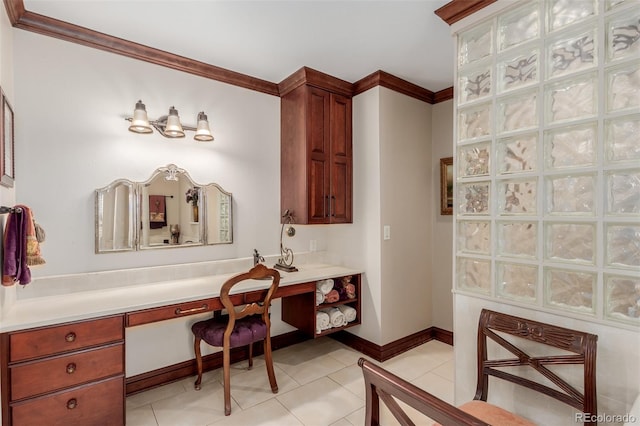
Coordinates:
column 387, row 232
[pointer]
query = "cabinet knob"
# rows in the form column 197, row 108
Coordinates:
column 70, row 337
column 72, row 403
column 71, row 368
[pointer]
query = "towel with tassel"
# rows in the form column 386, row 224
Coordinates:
column 21, row 247
column 35, row 236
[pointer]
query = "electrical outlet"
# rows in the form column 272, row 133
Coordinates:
column 387, row 232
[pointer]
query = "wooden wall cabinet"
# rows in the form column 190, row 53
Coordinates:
column 69, row 374
column 316, row 148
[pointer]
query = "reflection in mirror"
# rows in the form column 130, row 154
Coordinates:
column 115, row 213
column 218, row 213
column 171, row 210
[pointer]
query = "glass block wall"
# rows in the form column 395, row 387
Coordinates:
column 547, row 158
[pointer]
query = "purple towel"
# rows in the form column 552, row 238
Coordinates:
column 14, row 268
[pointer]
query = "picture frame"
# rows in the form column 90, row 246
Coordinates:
column 446, row 186
column 7, row 147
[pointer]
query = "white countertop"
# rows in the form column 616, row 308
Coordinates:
column 48, row 310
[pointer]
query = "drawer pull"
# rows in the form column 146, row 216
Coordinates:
column 71, row 337
column 179, row 311
column 71, row 368
column 72, row 403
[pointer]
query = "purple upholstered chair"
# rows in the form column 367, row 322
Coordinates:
column 241, row 328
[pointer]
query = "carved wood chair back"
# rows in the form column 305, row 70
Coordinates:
column 582, row 345
column 382, row 385
column 239, row 328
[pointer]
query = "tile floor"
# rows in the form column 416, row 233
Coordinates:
column 319, row 381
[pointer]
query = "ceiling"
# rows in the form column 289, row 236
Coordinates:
column 270, row 39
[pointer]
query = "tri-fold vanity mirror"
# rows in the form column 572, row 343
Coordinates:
column 168, row 210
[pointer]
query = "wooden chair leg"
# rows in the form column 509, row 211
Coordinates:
column 196, row 347
column 226, row 366
column 268, row 359
column 250, row 355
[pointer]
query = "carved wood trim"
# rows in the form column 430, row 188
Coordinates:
column 306, row 75
column 582, row 344
column 382, row 384
column 443, row 95
column 56, row 28
column 384, row 79
column 388, row 351
column 15, row 10
column 455, row 10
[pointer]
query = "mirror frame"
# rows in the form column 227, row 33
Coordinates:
column 171, row 171
column 132, row 215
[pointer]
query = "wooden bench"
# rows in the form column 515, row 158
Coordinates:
column 578, row 348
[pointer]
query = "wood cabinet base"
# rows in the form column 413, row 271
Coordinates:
column 99, row 404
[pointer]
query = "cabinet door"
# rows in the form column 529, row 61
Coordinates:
column 341, row 160
column 318, row 145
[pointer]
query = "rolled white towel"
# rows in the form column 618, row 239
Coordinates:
column 322, row 321
column 325, row 286
column 336, row 318
column 349, row 313
column 319, row 297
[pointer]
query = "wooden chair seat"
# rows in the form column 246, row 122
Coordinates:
column 240, row 327
column 493, row 414
column 578, row 348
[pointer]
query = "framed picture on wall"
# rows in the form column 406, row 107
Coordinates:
column 446, row 186
column 7, row 146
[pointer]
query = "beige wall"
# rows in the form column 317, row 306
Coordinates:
column 392, row 186
column 442, row 242
column 358, row 244
column 406, row 208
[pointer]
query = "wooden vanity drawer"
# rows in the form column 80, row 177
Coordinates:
column 51, row 340
column 38, row 377
column 99, row 404
column 178, row 310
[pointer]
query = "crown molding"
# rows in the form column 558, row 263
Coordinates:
column 384, row 79
column 443, row 95
column 455, row 10
column 306, row 75
column 23, row 19
column 34, row 22
column 15, row 10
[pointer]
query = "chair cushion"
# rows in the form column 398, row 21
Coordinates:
column 246, row 330
column 494, row 415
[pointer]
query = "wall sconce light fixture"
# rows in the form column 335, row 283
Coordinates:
column 168, row 125
column 285, row 263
